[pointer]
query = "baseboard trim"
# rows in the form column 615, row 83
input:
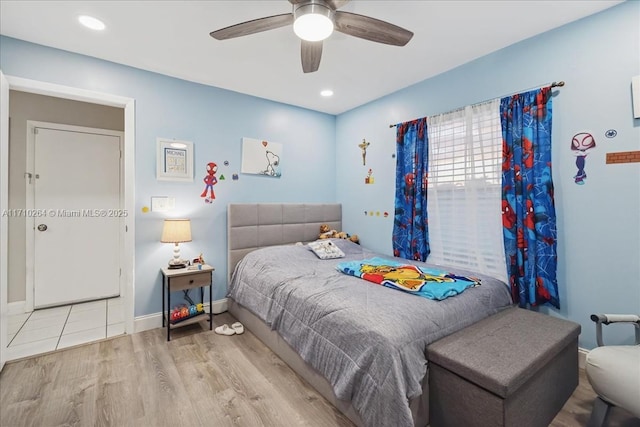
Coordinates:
column 582, row 357
column 154, row 320
column 17, row 307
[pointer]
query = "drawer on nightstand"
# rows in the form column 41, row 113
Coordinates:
column 190, row 281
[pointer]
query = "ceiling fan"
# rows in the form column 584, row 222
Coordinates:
column 314, row 21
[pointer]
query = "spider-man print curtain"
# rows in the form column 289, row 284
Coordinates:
column 528, row 212
column 410, row 226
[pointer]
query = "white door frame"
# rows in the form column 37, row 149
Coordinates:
column 30, row 201
column 4, row 220
column 128, row 104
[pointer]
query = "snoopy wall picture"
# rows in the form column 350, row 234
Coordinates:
column 261, row 157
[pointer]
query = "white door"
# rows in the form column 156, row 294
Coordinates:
column 4, row 204
column 77, row 216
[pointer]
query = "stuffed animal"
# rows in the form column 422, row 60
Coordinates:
column 326, row 233
column 184, row 311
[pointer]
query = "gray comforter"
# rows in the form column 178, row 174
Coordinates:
column 368, row 341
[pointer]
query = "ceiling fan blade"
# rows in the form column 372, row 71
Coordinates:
column 371, row 29
column 254, row 26
column 311, row 53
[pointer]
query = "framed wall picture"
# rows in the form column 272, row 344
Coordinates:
column 261, row 157
column 174, row 160
column 635, row 95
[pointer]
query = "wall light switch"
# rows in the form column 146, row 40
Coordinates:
column 162, row 204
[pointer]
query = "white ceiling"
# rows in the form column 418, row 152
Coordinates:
column 172, row 38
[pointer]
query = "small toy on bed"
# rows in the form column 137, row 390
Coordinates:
column 326, row 233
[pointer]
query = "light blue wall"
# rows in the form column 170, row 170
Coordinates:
column 598, row 223
column 215, row 120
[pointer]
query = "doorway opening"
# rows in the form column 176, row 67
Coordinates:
column 125, row 209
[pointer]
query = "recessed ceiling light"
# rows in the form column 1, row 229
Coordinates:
column 91, row 22
column 327, row 92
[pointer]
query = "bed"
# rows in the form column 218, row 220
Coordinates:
column 362, row 346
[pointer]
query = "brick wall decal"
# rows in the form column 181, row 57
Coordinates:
column 623, row 157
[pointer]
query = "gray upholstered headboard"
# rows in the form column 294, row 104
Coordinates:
column 253, row 226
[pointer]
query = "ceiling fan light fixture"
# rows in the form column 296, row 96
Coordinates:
column 313, row 22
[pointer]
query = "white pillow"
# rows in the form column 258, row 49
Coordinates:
column 326, row 249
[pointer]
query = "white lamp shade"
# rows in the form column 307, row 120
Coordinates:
column 176, row 231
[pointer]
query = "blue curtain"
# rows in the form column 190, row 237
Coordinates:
column 528, row 211
column 410, row 226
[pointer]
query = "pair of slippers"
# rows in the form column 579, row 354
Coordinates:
column 235, row 329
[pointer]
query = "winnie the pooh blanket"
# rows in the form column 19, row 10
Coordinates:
column 426, row 282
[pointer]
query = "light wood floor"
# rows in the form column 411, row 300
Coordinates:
column 197, row 379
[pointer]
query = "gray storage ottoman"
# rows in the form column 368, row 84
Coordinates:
column 515, row 368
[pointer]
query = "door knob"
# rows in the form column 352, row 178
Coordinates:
column 42, row 227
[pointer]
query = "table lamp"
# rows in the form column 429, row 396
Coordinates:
column 176, row 231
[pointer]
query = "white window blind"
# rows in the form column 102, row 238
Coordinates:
column 464, row 190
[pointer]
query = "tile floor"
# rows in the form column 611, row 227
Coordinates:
column 59, row 327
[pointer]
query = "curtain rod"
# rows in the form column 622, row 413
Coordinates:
column 554, row 84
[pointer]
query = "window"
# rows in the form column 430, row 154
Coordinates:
column 464, row 189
